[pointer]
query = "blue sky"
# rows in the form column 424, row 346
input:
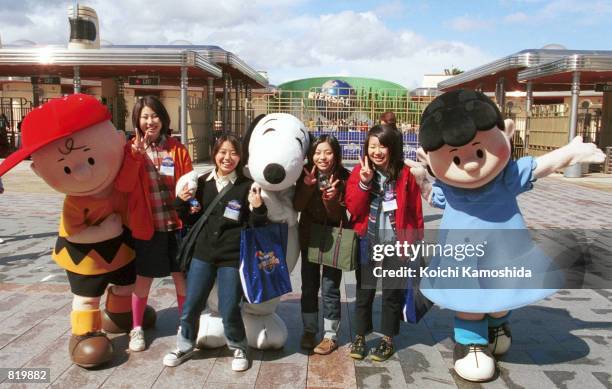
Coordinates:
column 395, row 40
column 495, row 25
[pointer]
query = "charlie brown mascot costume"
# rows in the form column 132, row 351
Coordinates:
column 77, row 151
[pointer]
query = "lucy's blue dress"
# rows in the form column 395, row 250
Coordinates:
column 489, row 216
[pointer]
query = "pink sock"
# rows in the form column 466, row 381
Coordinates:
column 180, row 301
column 138, row 307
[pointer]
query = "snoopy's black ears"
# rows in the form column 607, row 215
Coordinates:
column 247, row 138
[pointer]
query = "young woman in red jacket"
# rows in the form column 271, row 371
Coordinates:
column 165, row 161
column 385, row 205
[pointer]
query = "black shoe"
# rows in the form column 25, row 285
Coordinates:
column 309, row 340
column 473, row 362
column 383, row 352
column 500, row 339
column 358, row 350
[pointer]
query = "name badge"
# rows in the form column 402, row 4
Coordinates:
column 232, row 210
column 389, row 202
column 389, row 205
column 167, row 167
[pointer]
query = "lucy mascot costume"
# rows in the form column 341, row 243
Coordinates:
column 274, row 149
column 77, row 151
column 466, row 145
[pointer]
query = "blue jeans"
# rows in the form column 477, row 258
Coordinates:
column 312, row 281
column 200, row 281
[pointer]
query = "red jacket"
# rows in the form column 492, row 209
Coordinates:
column 134, row 180
column 409, row 213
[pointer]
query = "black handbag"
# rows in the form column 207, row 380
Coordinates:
column 415, row 305
column 187, row 246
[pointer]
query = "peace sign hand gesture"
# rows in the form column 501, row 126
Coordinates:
column 366, row 173
column 332, row 191
column 138, row 145
column 310, row 177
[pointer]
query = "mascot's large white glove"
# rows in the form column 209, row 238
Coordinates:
column 275, row 169
column 190, row 179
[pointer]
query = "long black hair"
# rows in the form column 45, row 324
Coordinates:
column 454, row 117
column 336, row 149
column 391, row 138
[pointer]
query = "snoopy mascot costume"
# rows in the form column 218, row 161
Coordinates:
column 274, row 149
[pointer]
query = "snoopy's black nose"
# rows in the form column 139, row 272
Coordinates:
column 274, row 173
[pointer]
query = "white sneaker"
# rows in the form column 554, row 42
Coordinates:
column 137, row 339
column 474, row 362
column 176, row 357
column 240, row 362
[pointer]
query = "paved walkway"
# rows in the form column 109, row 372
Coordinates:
column 563, row 341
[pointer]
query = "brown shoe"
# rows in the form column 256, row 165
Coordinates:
column 326, row 346
column 309, row 340
column 117, row 323
column 90, row 350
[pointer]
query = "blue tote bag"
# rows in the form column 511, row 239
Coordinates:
column 263, row 262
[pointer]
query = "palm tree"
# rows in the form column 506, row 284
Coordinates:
column 452, row 72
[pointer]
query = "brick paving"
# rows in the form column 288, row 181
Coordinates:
column 563, row 341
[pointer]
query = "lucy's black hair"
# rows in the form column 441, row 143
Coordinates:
column 454, row 117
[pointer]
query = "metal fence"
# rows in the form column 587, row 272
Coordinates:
column 547, row 128
column 12, row 112
column 346, row 109
column 347, row 113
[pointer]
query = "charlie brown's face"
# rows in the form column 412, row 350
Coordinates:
column 84, row 163
column 474, row 164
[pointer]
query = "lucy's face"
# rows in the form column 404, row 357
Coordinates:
column 474, row 164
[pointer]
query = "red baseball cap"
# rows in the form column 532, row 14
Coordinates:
column 54, row 120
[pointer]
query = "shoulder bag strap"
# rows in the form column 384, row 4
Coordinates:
column 188, row 243
column 200, row 223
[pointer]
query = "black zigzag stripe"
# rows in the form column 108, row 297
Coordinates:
column 107, row 249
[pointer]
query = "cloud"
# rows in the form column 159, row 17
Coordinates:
column 542, row 12
column 516, row 17
column 465, row 23
column 276, row 36
column 391, row 9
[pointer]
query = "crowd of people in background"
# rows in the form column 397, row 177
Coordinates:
column 340, row 125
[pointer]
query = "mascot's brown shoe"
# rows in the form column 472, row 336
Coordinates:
column 117, row 315
column 90, row 350
column 116, row 323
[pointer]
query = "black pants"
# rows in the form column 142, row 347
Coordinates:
column 392, row 300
